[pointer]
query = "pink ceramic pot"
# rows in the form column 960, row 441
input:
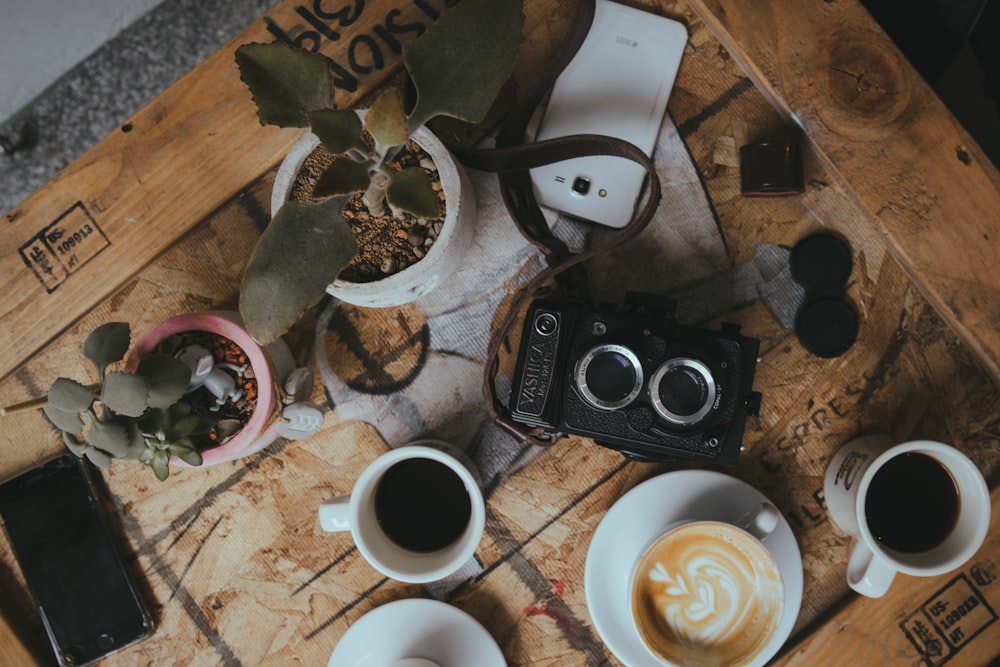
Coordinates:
column 259, row 431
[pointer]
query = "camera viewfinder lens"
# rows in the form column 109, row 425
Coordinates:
column 581, row 185
column 683, row 391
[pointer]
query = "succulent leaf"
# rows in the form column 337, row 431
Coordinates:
column 411, row 190
column 386, row 121
column 161, row 464
column 106, row 344
column 64, row 420
column 275, row 293
column 286, row 82
column 73, row 444
column 185, row 426
column 338, row 130
column 110, row 437
column 70, row 396
column 166, row 377
column 125, row 393
column 136, row 443
column 460, row 64
column 97, row 457
column 342, row 177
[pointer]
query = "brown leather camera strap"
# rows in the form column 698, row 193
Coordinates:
column 511, row 160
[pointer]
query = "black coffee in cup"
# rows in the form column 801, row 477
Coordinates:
column 422, row 505
column 912, row 503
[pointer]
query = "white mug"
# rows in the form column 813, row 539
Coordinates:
column 963, row 510
column 396, row 558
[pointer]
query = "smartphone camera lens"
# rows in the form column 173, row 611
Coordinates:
column 581, row 185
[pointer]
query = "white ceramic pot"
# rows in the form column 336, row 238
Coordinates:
column 444, row 256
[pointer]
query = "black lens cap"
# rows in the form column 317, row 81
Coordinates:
column 826, row 326
column 821, row 262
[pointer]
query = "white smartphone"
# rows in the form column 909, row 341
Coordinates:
column 616, row 85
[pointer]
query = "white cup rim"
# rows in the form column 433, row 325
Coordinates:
column 422, row 567
column 972, row 490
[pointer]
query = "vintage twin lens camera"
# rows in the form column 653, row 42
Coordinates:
column 633, row 379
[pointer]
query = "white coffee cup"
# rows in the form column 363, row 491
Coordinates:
column 709, row 592
column 931, row 547
column 417, row 504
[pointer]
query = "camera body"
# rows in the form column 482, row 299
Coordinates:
column 634, row 380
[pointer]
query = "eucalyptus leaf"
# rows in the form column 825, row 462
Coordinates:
column 386, row 121
column 110, row 437
column 339, row 130
column 161, row 465
column 460, row 64
column 286, row 82
column 343, row 176
column 275, row 292
column 64, row 420
column 70, row 395
column 411, row 190
column 97, row 457
column 167, row 378
column 106, row 344
column 125, row 393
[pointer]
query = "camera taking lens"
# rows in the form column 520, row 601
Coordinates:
column 633, row 379
column 609, row 376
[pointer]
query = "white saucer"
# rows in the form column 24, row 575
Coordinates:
column 640, row 516
column 417, row 628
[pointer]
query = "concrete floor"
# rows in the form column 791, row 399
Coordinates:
column 101, row 90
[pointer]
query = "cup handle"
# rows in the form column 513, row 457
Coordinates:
column 760, row 521
column 335, row 515
column 867, row 573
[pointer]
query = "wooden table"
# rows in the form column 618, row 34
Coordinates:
column 233, row 557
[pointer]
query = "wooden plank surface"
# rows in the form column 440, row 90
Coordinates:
column 239, row 572
column 883, row 134
column 919, row 621
column 122, row 203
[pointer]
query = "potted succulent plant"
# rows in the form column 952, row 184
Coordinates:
column 458, row 67
column 194, row 390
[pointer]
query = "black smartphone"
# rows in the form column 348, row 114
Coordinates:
column 60, row 536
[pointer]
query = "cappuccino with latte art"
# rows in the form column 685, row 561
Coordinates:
column 707, row 593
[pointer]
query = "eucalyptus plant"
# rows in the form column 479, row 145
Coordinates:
column 125, row 415
column 458, row 67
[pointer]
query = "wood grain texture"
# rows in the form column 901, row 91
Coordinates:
column 13, row 653
column 881, row 133
column 239, row 572
column 952, row 618
column 164, row 170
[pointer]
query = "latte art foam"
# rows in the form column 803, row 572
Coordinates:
column 707, row 593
